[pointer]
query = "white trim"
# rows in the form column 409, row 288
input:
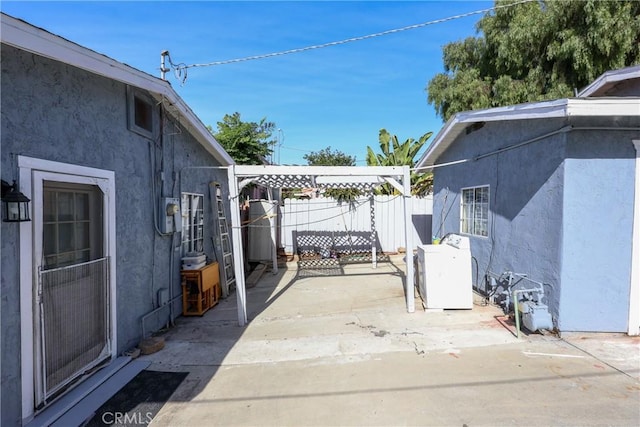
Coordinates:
column 634, row 288
column 351, row 179
column 132, row 94
column 25, row 263
column 347, row 172
column 560, row 108
column 395, row 184
column 185, row 212
column 29, row 38
column 612, row 76
column 31, row 170
column 488, row 187
column 236, row 240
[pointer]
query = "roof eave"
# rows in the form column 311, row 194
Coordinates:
column 27, row 37
column 610, row 77
column 567, row 107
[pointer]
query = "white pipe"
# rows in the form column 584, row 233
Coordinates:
column 163, row 69
column 238, row 258
column 408, row 232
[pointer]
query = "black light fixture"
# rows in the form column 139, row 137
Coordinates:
column 15, row 205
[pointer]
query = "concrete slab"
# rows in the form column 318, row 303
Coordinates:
column 342, row 350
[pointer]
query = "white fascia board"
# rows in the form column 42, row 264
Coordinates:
column 567, row 107
column 612, row 76
column 456, row 124
column 604, row 107
column 345, row 171
column 532, row 110
column 24, row 36
column 450, row 130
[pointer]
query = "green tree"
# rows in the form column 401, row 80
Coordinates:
column 248, row 143
column 536, row 51
column 396, row 154
column 328, row 157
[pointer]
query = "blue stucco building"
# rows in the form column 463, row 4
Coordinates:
column 98, row 147
column 551, row 190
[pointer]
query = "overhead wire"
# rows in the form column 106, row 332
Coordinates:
column 267, row 215
column 181, row 68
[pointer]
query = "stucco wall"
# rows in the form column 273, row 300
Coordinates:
column 598, row 206
column 56, row 112
column 525, row 189
column 561, row 212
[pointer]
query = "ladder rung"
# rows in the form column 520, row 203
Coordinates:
column 227, row 255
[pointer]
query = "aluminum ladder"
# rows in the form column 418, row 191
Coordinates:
column 227, row 270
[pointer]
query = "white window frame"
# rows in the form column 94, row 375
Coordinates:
column 471, row 221
column 190, row 223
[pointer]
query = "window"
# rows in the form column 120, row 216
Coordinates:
column 192, row 223
column 475, row 211
column 141, row 113
column 72, row 220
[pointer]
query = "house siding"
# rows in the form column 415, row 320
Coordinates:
column 596, row 252
column 526, row 187
column 57, row 112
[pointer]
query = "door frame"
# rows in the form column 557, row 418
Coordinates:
column 32, row 170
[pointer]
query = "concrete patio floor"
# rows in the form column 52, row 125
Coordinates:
column 336, row 350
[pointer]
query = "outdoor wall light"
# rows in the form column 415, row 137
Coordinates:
column 15, row 205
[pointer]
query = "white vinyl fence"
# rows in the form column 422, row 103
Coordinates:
column 349, row 224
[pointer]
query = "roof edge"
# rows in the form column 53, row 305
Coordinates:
column 566, row 107
column 611, row 76
column 24, row 36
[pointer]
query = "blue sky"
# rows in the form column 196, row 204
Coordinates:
column 338, row 97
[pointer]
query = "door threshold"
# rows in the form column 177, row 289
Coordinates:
column 75, row 407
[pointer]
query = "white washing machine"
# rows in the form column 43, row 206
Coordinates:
column 444, row 273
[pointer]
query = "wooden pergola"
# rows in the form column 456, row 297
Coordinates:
column 361, row 177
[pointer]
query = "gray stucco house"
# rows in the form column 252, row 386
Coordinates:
column 551, row 190
column 102, row 150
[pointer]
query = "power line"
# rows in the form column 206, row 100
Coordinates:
column 181, row 67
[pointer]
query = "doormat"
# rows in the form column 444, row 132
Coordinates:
column 139, row 401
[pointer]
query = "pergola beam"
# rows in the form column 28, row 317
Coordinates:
column 242, row 171
column 395, row 184
column 341, row 179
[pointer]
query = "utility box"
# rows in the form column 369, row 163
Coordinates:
column 170, row 220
